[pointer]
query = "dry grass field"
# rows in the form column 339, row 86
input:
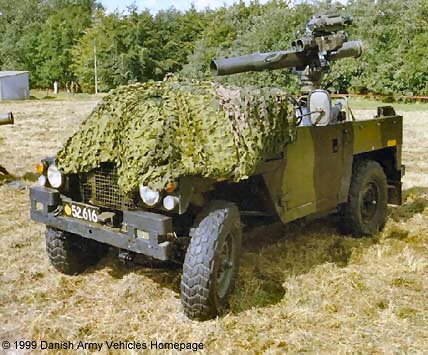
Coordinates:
column 302, row 288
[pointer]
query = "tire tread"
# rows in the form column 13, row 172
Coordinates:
column 196, row 282
column 351, row 223
column 68, row 253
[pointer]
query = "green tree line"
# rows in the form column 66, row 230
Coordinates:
column 59, row 40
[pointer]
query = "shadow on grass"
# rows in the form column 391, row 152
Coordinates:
column 5, row 178
column 33, row 177
column 17, row 182
column 165, row 273
column 273, row 253
column 415, row 200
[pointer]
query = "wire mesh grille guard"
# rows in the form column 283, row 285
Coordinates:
column 100, row 188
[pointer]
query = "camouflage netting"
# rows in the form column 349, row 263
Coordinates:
column 158, row 131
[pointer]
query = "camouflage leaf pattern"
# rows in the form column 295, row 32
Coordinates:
column 156, row 132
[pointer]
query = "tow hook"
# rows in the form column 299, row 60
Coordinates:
column 58, row 210
column 127, row 258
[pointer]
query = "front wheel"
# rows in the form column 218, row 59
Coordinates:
column 212, row 261
column 365, row 212
column 70, row 253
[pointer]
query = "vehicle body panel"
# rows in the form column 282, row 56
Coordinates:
column 315, row 172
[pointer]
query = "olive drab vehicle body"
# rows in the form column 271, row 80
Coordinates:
column 315, row 173
column 328, row 163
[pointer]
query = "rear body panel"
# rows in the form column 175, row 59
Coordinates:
column 378, row 134
column 315, row 174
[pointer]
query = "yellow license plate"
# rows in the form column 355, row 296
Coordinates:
column 81, row 211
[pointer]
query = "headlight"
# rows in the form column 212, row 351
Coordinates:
column 169, row 202
column 54, row 176
column 41, row 180
column 150, row 197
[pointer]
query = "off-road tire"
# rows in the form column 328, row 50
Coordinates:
column 70, row 253
column 209, row 275
column 365, row 213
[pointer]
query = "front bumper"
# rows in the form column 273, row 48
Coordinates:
column 44, row 209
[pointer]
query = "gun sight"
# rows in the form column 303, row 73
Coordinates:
column 324, row 41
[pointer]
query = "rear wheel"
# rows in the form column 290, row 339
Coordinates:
column 212, row 261
column 365, row 212
column 70, row 253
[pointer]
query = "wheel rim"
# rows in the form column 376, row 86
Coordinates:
column 369, row 202
column 225, row 266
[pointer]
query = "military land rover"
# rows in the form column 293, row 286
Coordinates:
column 326, row 162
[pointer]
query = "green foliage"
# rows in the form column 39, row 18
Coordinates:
column 158, row 131
column 392, row 32
column 56, row 40
column 136, row 47
column 221, row 30
column 37, row 36
column 112, row 44
column 20, row 24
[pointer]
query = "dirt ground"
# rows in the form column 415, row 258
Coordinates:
column 302, row 288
